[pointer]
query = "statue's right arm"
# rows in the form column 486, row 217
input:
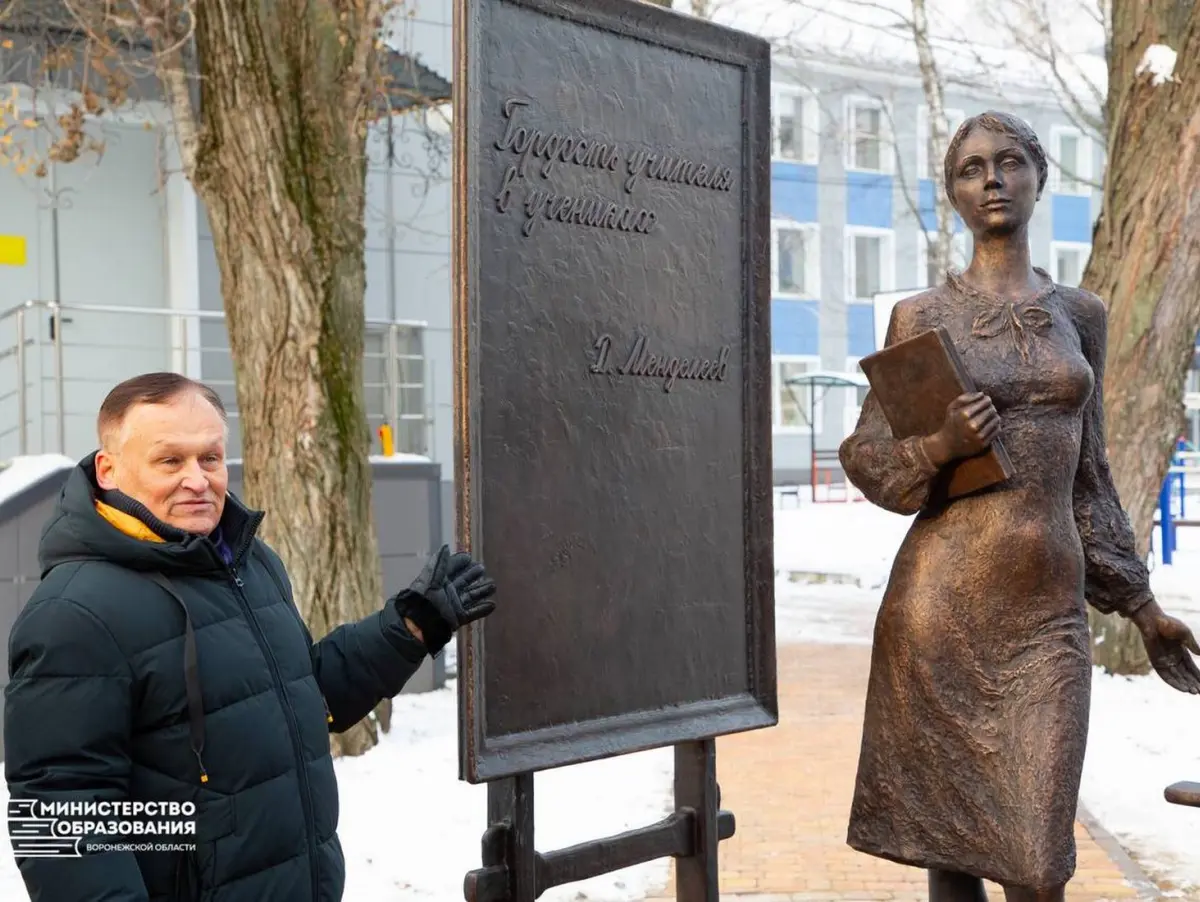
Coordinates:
column 892, row 474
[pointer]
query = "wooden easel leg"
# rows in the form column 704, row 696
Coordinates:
column 696, row 788
column 510, row 801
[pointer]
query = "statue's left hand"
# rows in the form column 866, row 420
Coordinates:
column 1168, row 642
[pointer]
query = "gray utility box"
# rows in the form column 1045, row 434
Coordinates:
column 407, row 501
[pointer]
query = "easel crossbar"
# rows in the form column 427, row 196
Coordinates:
column 674, row 836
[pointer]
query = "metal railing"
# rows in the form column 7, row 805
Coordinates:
column 51, row 379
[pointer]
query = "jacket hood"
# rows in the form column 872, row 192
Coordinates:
column 78, row 531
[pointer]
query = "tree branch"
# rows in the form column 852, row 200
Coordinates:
column 368, row 40
column 1033, row 33
column 939, row 137
column 183, row 114
column 1026, row 27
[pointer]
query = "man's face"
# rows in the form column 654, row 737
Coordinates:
column 171, row 458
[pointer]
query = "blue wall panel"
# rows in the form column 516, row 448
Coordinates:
column 794, row 192
column 869, row 200
column 927, row 201
column 860, row 329
column 795, row 327
column 1072, row 217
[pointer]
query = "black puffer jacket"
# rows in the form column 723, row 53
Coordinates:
column 99, row 704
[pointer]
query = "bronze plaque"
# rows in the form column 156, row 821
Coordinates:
column 612, row 214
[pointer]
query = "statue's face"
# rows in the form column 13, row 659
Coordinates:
column 995, row 183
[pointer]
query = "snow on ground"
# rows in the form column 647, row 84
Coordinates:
column 852, row 542
column 19, row 473
column 1145, row 736
column 411, row 830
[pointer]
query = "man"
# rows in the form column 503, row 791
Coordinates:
column 162, row 659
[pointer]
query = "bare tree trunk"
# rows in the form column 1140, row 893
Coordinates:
column 1145, row 263
column 280, row 164
column 941, row 248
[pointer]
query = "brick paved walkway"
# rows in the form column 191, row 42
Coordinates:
column 790, row 787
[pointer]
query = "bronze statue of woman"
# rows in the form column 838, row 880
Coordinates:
column 978, row 700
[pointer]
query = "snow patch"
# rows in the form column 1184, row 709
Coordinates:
column 848, row 542
column 1143, row 736
column 411, row 830
column 400, row 458
column 21, row 473
column 1159, row 61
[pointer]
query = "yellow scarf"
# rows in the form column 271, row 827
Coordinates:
column 127, row 524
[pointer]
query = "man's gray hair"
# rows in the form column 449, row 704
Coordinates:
column 151, row 388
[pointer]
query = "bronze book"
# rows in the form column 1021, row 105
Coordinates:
column 914, row 381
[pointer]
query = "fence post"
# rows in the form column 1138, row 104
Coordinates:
column 22, row 399
column 59, row 391
column 183, row 345
column 1174, row 531
column 393, row 376
column 1166, row 523
column 1177, row 461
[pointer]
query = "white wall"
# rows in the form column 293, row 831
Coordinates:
column 96, row 236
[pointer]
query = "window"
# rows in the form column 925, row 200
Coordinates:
column 868, row 147
column 1067, row 262
column 1191, row 402
column 795, row 260
column 927, row 274
column 795, row 128
column 868, row 266
column 869, row 263
column 1071, row 161
column 930, row 165
column 792, row 410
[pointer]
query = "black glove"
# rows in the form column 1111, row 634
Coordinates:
column 452, row 590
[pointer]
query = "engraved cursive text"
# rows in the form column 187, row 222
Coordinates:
column 666, row 168
column 643, row 363
column 542, row 152
column 588, row 211
column 552, row 147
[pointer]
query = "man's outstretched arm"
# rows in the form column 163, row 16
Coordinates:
column 359, row 664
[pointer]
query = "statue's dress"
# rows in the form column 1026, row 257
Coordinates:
column 977, row 704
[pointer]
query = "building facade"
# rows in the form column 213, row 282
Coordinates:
column 852, row 199
column 852, row 211
column 120, row 244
